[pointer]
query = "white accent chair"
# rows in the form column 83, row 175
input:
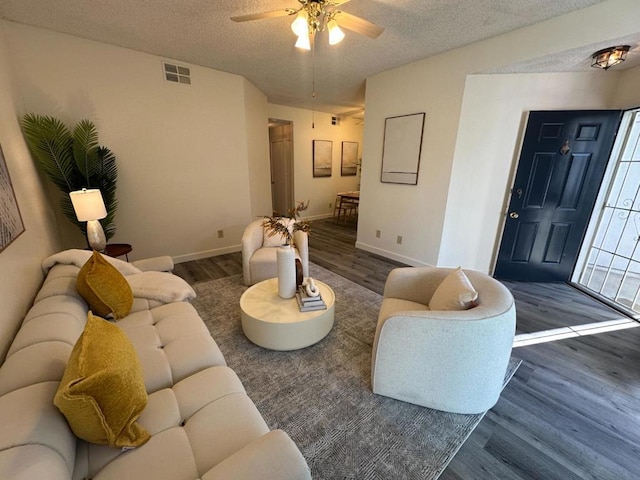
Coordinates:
column 453, row 361
column 259, row 260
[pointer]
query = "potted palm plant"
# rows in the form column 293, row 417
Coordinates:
column 73, row 160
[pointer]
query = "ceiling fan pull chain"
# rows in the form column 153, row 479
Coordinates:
column 313, row 83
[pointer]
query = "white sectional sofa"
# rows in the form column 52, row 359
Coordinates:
column 201, row 421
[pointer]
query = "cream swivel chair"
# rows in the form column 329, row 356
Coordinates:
column 451, row 360
column 259, row 253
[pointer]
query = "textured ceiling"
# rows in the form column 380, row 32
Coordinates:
column 200, row 32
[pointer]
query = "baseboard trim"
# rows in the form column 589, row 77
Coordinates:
column 231, row 249
column 318, row 217
column 393, row 256
column 206, row 253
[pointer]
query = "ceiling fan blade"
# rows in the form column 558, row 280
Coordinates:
column 335, row 3
column 358, row 25
column 258, row 16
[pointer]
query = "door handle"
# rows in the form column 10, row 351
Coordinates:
column 514, row 215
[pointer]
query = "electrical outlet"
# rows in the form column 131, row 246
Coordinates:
column 220, row 233
column 399, row 240
column 377, row 233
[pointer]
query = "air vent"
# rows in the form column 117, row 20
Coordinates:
column 177, row 74
column 335, row 120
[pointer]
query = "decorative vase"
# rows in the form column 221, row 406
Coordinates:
column 286, row 258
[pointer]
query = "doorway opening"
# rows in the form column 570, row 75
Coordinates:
column 609, row 263
column 281, row 157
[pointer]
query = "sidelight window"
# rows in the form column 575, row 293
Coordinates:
column 611, row 267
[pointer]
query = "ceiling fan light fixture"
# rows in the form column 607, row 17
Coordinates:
column 300, row 26
column 335, row 33
column 303, row 42
column 608, row 57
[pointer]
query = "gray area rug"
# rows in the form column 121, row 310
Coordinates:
column 321, row 395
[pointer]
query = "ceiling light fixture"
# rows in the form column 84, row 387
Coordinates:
column 608, row 57
column 335, row 33
column 317, row 16
column 300, row 25
column 303, row 42
column 313, row 17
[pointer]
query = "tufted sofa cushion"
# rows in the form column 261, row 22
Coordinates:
column 180, row 420
column 202, row 423
column 42, row 346
column 33, row 428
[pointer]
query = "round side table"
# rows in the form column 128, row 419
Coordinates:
column 118, row 250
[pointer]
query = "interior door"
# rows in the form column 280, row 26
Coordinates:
column 562, row 162
column 281, row 152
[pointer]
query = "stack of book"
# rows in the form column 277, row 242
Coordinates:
column 307, row 303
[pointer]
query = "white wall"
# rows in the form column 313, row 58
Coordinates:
column 258, row 150
column 437, row 86
column 183, row 151
column 415, row 212
column 320, row 191
column 628, row 90
column 21, row 274
column 493, row 115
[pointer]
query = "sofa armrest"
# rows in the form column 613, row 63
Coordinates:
column 252, row 239
column 273, row 455
column 156, row 264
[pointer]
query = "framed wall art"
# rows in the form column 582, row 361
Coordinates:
column 322, row 158
column 349, row 164
column 11, row 225
column 402, row 148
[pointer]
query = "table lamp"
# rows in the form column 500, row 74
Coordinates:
column 89, row 207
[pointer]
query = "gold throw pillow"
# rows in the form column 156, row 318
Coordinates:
column 104, row 288
column 102, row 390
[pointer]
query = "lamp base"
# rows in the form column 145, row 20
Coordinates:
column 95, row 236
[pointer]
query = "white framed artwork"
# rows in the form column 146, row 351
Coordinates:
column 402, row 148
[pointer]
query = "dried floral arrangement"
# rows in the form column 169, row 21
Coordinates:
column 276, row 226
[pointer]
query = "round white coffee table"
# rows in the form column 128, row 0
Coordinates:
column 278, row 324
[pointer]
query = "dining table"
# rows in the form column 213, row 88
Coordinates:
column 346, row 203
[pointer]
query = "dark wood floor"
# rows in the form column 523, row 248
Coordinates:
column 572, row 410
column 545, row 306
column 332, row 246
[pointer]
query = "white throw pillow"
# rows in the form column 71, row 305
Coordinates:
column 455, row 292
column 278, row 239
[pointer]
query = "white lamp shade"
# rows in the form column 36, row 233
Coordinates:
column 300, row 26
column 303, row 42
column 88, row 204
column 335, row 33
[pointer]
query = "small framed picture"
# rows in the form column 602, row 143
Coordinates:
column 322, row 158
column 349, row 165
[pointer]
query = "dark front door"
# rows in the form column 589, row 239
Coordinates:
column 562, row 162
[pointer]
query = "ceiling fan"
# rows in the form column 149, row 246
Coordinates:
column 316, row 16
